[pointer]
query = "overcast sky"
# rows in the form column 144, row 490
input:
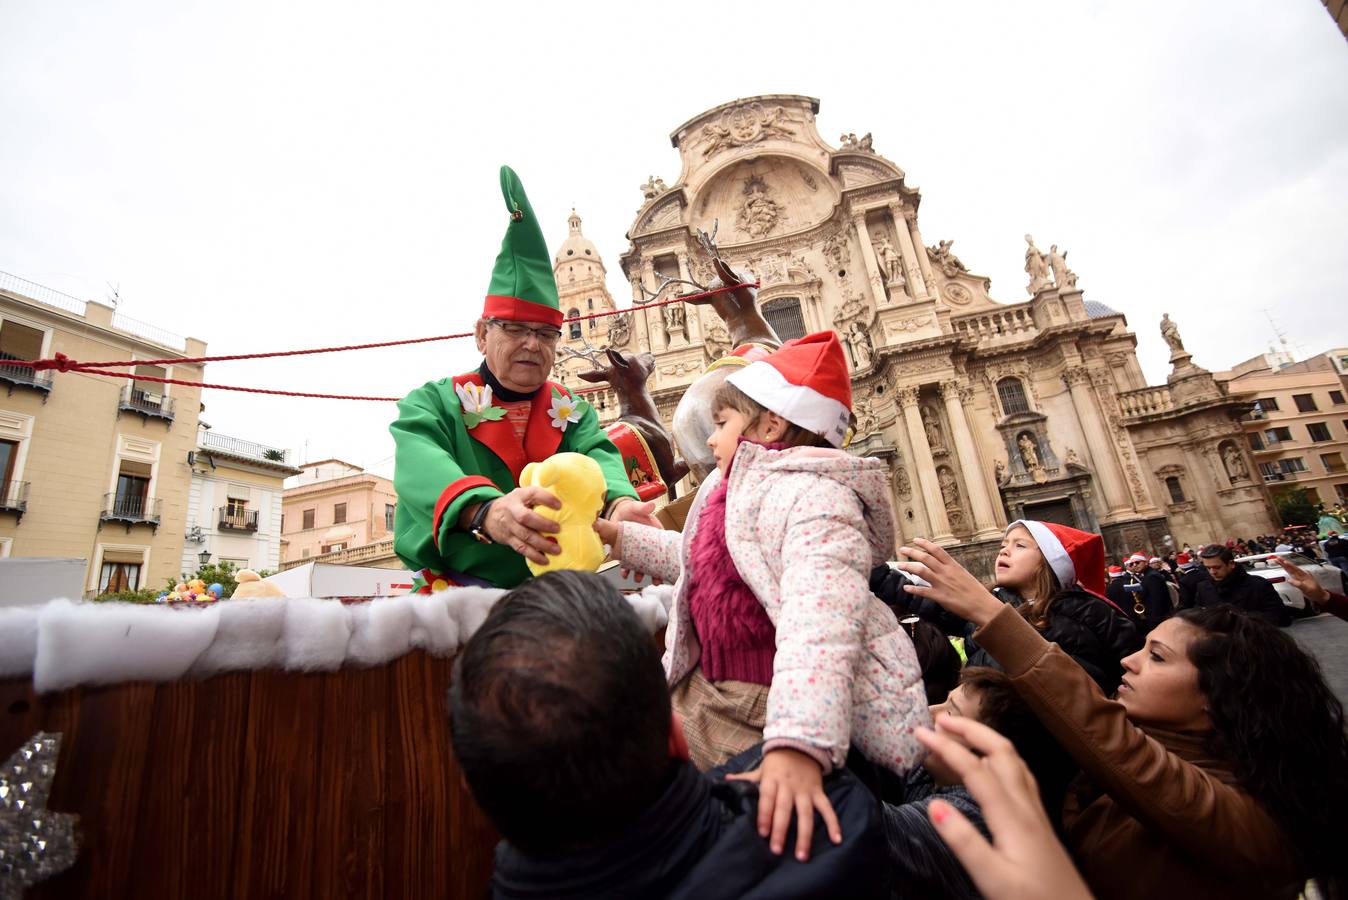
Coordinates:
column 276, row 175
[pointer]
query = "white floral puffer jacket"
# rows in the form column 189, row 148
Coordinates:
column 804, row 527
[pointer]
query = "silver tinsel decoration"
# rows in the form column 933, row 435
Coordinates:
column 34, row 843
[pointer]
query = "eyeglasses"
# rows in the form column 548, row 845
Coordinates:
column 517, row 332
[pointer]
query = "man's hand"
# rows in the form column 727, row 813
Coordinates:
column 1303, row 581
column 790, row 781
column 625, row 509
column 1024, row 860
column 512, row 521
column 951, row 585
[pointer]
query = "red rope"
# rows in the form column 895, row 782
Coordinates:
column 62, row 363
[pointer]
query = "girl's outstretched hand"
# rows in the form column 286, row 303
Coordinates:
column 951, row 584
column 791, row 782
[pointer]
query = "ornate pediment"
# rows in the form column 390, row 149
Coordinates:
column 739, row 126
column 665, row 213
column 856, row 173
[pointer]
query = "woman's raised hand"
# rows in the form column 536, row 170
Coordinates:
column 951, row 584
column 1024, row 860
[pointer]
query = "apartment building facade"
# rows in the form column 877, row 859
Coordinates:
column 235, row 507
column 93, row 467
column 332, row 506
column 1298, row 430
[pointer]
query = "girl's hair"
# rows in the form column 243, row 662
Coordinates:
column 730, row 397
column 1043, row 589
column 1276, row 720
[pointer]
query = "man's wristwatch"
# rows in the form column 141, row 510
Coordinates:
column 477, row 525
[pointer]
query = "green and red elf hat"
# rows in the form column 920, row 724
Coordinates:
column 522, row 286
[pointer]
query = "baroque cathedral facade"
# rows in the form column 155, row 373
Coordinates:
column 985, row 411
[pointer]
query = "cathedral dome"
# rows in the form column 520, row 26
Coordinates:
column 577, row 247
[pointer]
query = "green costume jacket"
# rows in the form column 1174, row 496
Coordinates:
column 443, row 466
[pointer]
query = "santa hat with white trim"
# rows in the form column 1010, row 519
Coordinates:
column 805, row 382
column 1136, row 557
column 1076, row 557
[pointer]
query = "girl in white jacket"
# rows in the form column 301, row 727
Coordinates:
column 774, row 634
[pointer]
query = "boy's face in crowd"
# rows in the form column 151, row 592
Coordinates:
column 1018, row 560
column 1217, row 567
column 963, row 701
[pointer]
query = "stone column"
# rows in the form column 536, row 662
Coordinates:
column 1107, row 470
column 639, row 330
column 659, row 337
column 985, row 521
column 875, row 279
column 694, row 324
column 921, row 249
column 924, row 467
column 916, row 286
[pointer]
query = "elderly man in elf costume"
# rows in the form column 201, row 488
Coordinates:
column 463, row 441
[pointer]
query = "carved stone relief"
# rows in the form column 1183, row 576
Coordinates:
column 746, row 125
column 759, row 213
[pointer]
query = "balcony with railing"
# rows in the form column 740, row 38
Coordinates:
column 1014, row 323
column 14, row 497
column 131, row 509
column 236, row 519
column 1147, row 401
column 147, row 403
column 239, row 447
column 14, row 376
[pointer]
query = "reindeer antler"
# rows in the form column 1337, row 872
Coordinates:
column 591, row 353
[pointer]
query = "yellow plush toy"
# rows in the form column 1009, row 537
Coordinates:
column 251, row 586
column 578, row 482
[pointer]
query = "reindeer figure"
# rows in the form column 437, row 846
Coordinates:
column 627, row 374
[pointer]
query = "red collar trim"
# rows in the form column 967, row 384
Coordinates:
column 541, row 439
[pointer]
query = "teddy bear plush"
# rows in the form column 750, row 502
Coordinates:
column 578, row 482
column 251, row 586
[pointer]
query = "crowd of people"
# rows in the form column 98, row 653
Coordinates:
column 807, row 735
column 824, row 723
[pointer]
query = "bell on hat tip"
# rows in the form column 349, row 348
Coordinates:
column 517, row 215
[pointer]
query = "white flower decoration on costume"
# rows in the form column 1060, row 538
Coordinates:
column 565, row 410
column 476, row 402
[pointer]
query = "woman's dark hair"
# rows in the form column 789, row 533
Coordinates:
column 1001, row 708
column 1274, row 718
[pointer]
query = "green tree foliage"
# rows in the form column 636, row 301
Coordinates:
column 146, row 596
column 1295, row 507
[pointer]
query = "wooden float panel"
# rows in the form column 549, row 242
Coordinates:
column 261, row 784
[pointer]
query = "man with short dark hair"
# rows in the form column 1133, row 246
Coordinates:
column 562, row 726
column 1229, row 583
column 1336, row 551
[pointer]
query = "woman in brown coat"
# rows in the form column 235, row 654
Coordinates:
column 1220, row 770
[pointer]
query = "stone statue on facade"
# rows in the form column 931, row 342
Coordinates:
column 835, row 251
column 758, row 213
column 891, row 266
column 999, row 471
column 653, row 188
column 950, row 263
column 933, row 429
column 1235, row 464
column 1036, row 266
column 1071, row 458
column 1170, row 331
column 674, row 317
column 950, row 489
column 850, row 141
column 716, row 342
column 859, row 339
column 1063, row 277
column 619, row 330
column 1029, row 454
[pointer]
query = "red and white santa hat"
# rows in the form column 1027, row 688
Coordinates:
column 1116, row 571
column 1076, row 557
column 805, row 382
column 1136, row 557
